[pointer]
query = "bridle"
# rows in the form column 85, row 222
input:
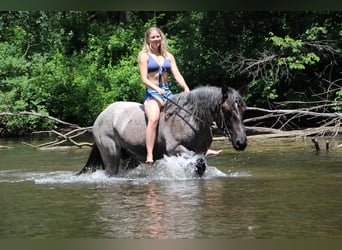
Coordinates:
column 223, row 126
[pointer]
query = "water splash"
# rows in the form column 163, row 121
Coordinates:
column 174, row 168
column 169, row 168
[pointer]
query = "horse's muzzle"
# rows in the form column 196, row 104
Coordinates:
column 240, row 144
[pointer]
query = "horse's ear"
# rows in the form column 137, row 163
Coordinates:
column 224, row 92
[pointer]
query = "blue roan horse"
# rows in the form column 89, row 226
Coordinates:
column 184, row 125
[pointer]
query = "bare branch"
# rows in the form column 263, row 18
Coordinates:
column 325, row 45
column 61, row 138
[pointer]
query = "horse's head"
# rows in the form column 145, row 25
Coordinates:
column 232, row 109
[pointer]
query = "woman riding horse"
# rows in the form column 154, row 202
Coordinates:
column 155, row 62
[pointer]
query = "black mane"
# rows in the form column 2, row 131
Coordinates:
column 201, row 102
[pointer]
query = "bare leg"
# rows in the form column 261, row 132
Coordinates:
column 152, row 109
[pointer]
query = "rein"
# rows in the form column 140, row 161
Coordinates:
column 187, row 111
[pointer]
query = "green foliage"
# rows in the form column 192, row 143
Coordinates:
column 292, row 52
column 315, row 32
column 71, row 82
column 264, row 88
column 17, row 93
column 290, row 56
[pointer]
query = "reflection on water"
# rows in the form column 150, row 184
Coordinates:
column 275, row 189
column 159, row 211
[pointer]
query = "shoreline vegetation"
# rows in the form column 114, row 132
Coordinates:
column 60, row 69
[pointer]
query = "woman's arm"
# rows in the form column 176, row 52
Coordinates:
column 176, row 74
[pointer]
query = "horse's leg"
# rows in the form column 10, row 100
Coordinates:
column 128, row 161
column 199, row 164
column 111, row 156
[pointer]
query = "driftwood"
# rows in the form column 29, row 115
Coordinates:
column 331, row 123
column 269, row 133
column 294, row 112
column 277, row 133
column 287, row 119
column 61, row 138
column 280, row 120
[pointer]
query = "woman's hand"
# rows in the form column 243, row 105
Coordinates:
column 186, row 89
column 161, row 91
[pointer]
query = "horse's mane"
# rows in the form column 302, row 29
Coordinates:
column 201, row 102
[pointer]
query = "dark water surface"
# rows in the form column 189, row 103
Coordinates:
column 276, row 188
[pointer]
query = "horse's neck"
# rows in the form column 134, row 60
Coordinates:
column 200, row 111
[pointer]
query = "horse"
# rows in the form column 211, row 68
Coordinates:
column 185, row 125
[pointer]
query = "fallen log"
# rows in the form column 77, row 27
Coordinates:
column 319, row 131
column 67, row 137
column 265, row 133
column 277, row 112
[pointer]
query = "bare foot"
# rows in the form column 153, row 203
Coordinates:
column 211, row 152
column 149, row 162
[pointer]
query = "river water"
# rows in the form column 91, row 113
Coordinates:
column 276, row 188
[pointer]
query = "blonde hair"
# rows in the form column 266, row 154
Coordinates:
column 163, row 45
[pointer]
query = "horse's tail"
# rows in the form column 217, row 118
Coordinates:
column 94, row 161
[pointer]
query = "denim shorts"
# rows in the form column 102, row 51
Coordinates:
column 152, row 94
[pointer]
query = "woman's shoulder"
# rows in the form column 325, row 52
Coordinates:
column 143, row 55
column 169, row 56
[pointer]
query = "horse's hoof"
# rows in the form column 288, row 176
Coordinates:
column 200, row 166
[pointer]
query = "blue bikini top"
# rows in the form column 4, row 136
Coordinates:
column 152, row 65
